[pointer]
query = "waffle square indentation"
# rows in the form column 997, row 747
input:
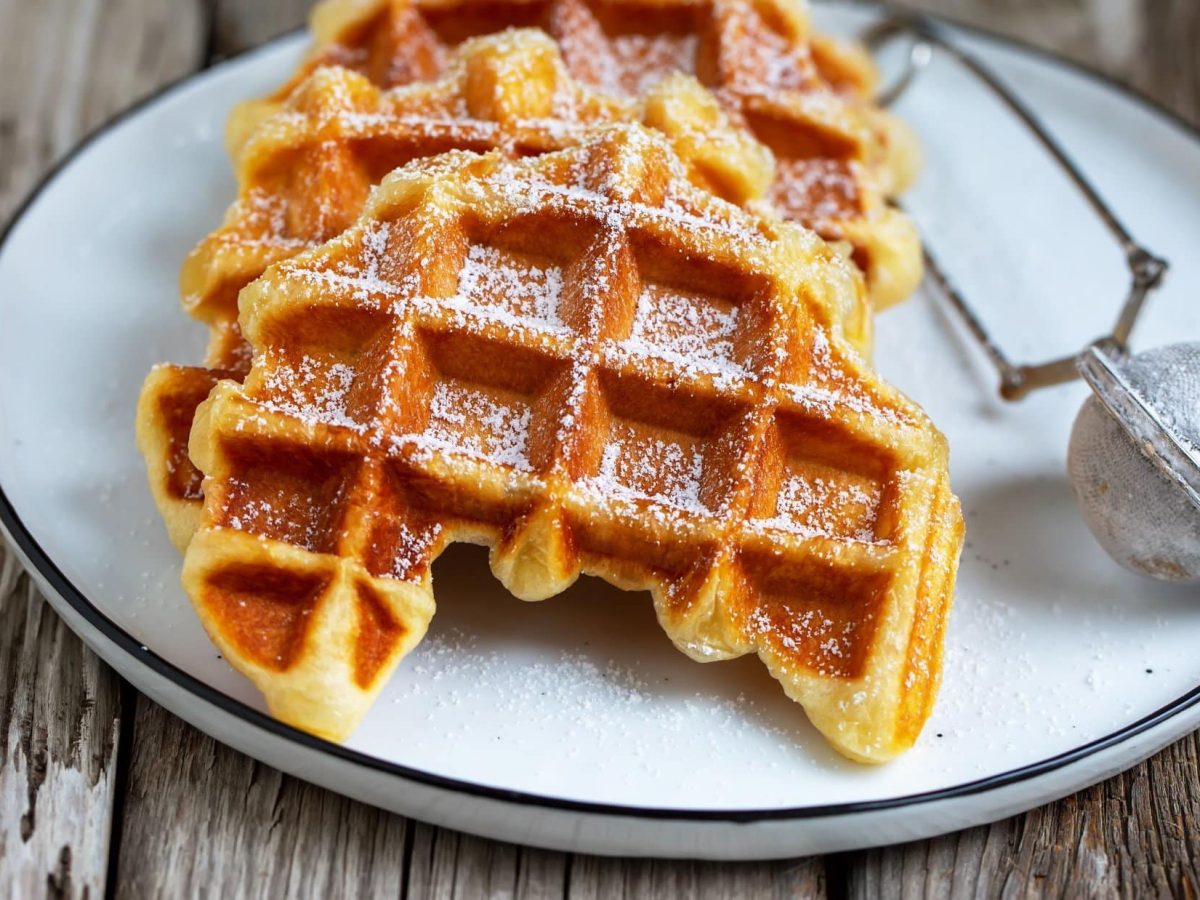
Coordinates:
column 820, row 481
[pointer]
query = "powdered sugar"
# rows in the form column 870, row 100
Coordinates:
column 809, row 631
column 641, row 60
column 693, row 334
column 655, row 470
column 411, row 551
column 816, row 506
column 673, row 480
column 314, row 391
column 473, row 423
column 817, row 192
column 491, row 279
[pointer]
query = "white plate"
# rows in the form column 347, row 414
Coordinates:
column 574, row 724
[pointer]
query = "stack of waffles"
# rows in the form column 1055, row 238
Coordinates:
column 589, row 283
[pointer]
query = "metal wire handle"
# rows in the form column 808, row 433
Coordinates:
column 1146, row 269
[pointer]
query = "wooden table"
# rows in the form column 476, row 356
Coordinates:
column 102, row 791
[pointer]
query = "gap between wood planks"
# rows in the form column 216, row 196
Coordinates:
column 142, row 803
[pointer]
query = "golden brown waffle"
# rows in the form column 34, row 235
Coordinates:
column 589, row 365
column 306, row 172
column 166, row 410
column 806, row 97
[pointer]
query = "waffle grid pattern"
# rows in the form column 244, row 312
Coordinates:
column 309, row 167
column 444, row 371
column 805, row 96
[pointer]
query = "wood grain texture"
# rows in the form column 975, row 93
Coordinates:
column 68, row 65
column 61, row 74
column 237, row 24
column 596, row 878
column 1169, row 54
column 1131, row 836
column 1151, row 45
column 201, row 819
column 59, row 724
column 446, row 864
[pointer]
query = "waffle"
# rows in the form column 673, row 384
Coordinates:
column 166, row 410
column 307, row 170
column 806, row 97
column 589, row 365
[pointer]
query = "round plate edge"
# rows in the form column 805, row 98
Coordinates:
column 39, row 561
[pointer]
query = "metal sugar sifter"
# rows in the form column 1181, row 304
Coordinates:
column 1134, row 453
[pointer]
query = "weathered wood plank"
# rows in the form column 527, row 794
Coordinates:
column 238, row 25
column 1169, row 56
column 1153, row 45
column 60, row 75
column 445, row 864
column 596, row 878
column 68, row 65
column 59, row 723
column 201, row 819
column 1132, row 836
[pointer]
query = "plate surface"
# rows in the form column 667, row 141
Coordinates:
column 574, row 723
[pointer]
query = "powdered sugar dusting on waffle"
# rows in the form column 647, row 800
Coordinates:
column 817, row 192
column 303, row 521
column 489, row 278
column 657, row 470
column 808, row 628
column 313, row 391
column 364, row 276
column 470, row 422
column 827, row 392
column 264, row 215
column 614, row 205
column 693, row 335
column 822, row 507
column 573, row 408
column 771, row 63
column 640, row 60
column 827, row 400
column 259, row 511
column 412, row 550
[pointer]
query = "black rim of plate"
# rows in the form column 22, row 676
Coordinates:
column 141, row 654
